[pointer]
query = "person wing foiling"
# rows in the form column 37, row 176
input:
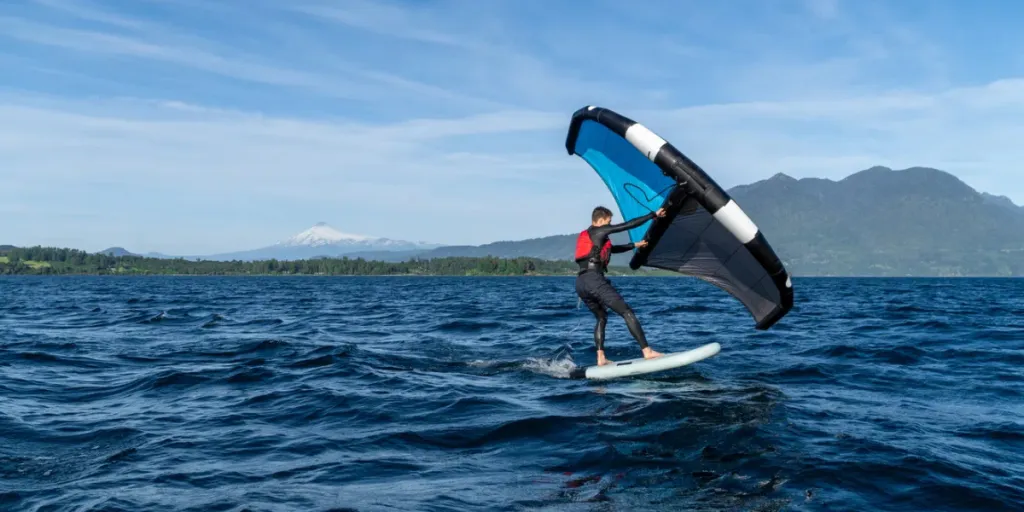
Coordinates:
column 593, row 253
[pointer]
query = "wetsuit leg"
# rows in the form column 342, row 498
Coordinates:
column 602, row 320
column 595, row 307
column 633, row 323
column 597, row 288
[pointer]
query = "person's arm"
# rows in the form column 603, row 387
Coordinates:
column 625, row 226
column 604, row 231
column 622, row 248
column 626, row 247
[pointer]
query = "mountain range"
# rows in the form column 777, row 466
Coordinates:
column 319, row 241
column 322, row 240
column 916, row 221
column 876, row 222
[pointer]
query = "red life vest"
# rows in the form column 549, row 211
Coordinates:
column 585, row 248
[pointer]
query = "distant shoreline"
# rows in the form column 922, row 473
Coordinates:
column 125, row 274
column 49, row 261
column 464, row 276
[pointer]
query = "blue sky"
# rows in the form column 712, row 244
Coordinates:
column 200, row 126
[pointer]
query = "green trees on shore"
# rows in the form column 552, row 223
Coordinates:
column 58, row 261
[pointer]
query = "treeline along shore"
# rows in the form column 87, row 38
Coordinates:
column 62, row 261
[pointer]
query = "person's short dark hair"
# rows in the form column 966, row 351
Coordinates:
column 600, row 213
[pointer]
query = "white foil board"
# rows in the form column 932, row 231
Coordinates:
column 641, row 365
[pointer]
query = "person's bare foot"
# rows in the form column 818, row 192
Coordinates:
column 649, row 353
column 601, row 360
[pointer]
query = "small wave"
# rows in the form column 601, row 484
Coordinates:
column 271, row 396
column 159, row 317
column 687, row 308
column 213, row 321
column 866, row 328
column 268, row 345
column 174, row 378
column 468, row 326
column 476, row 437
column 798, row 372
column 315, row 362
column 122, row 455
column 94, row 436
column 262, row 321
column 135, row 358
column 56, row 345
column 899, row 355
column 77, row 362
column 976, row 355
column 910, row 308
column 182, row 312
column 546, row 316
column 1002, row 334
column 250, row 376
column 836, row 351
column 1006, row 431
column 902, row 355
column 930, row 324
column 555, row 307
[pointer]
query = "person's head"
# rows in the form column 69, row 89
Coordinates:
column 602, row 216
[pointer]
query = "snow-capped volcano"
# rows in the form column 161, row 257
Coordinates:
column 322, row 234
column 322, row 240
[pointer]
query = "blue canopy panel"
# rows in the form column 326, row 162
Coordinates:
column 704, row 234
column 638, row 186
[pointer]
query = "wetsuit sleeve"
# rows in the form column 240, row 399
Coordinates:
column 623, row 248
column 598, row 235
column 604, row 231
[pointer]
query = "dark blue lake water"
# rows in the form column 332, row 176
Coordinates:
column 381, row 394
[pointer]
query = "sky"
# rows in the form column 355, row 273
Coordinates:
column 205, row 126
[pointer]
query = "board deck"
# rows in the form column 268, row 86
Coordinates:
column 641, row 365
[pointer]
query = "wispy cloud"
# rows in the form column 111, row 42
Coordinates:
column 99, row 42
column 381, row 18
column 86, row 10
column 220, row 127
column 334, row 77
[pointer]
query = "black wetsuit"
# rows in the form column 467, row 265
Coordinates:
column 597, row 292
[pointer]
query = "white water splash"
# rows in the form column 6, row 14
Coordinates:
column 559, row 368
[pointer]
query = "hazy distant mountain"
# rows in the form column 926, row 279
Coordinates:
column 1003, row 201
column 117, row 251
column 322, row 240
column 121, row 251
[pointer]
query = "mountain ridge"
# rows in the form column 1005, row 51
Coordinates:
column 915, row 221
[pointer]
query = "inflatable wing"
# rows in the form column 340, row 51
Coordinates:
column 705, row 233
